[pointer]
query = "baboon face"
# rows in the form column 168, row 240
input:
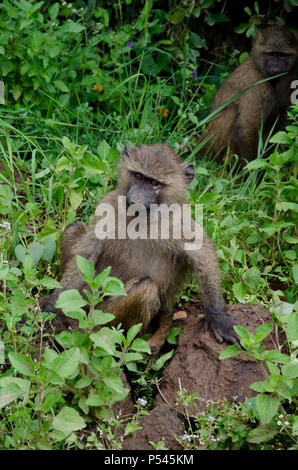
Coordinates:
column 143, row 190
column 275, row 50
column 153, row 174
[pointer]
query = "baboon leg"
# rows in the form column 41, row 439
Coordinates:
column 141, row 305
column 160, row 335
column 69, row 238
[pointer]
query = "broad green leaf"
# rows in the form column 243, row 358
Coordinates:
column 114, row 382
column 276, row 356
column 66, row 364
column 101, row 318
column 20, row 252
column 258, row 386
column 133, row 331
column 85, row 266
column 292, row 327
column 49, row 282
column 131, row 427
column 230, row 351
column 22, row 364
column 140, row 345
column 9, row 393
column 113, row 286
column 262, row 331
column 252, row 277
column 68, row 420
column 291, row 370
column 295, row 272
column 162, row 360
column 239, row 290
column 105, row 339
column 255, row 164
column 70, row 300
column 261, row 434
column 83, row 382
column 267, row 407
column 71, row 27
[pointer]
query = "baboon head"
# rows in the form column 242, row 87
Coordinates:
column 275, row 50
column 153, row 174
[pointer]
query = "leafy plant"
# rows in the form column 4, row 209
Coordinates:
column 60, row 393
column 277, row 393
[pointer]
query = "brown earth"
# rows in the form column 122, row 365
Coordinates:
column 196, row 367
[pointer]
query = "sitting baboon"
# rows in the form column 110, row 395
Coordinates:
column 236, row 128
column 152, row 268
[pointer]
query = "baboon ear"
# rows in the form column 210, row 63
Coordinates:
column 189, row 171
column 125, row 151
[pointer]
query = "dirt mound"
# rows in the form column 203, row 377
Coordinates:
column 196, row 367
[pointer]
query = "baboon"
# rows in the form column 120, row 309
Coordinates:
column 236, row 129
column 152, row 270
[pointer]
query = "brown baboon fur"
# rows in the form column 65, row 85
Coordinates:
column 236, row 129
column 152, row 270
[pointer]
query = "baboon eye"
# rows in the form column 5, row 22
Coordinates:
column 154, row 183
column 138, row 176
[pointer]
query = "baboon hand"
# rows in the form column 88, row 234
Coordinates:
column 222, row 328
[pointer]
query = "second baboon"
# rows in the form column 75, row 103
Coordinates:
column 236, row 128
column 152, row 268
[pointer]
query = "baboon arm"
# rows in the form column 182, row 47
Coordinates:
column 208, row 276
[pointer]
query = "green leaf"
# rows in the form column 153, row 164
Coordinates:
column 12, row 388
column 275, row 356
column 71, row 27
column 113, row 286
column 292, row 327
column 252, row 277
column 66, row 364
column 85, row 266
column 267, row 407
column 114, row 382
column 105, row 339
column 281, row 138
column 258, row 386
column 295, row 272
column 255, row 164
column 239, row 290
column 70, row 300
column 83, row 382
column 172, row 336
column 22, row 364
column 261, row 434
column 49, row 248
column 178, row 16
column 159, row 364
column 133, row 331
column 68, row 420
column 53, row 11
column 61, row 86
column 262, row 331
column 230, row 351
column 140, row 345
column 131, row 427
column 291, row 370
column 49, row 283
column 20, row 252
column 9, row 393
column 101, row 318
